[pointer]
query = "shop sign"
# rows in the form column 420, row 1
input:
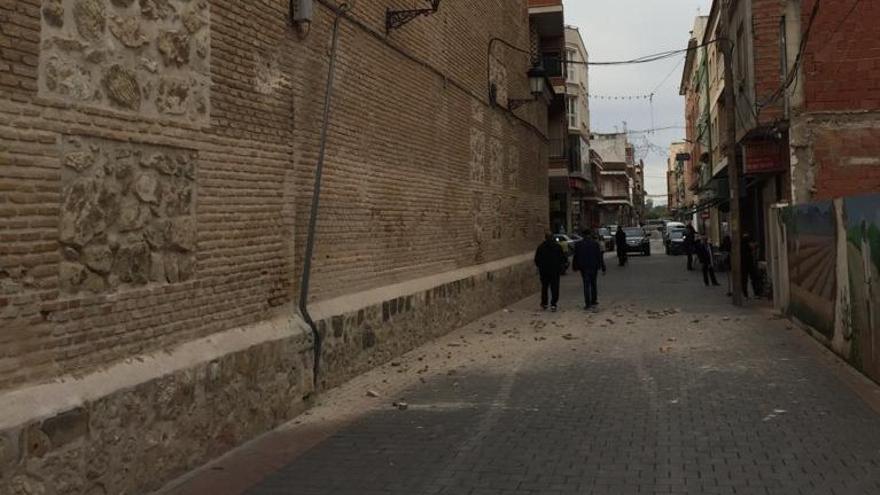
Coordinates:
column 762, row 157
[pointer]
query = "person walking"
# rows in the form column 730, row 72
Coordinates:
column 689, row 244
column 620, row 240
column 550, row 260
column 704, row 254
column 589, row 259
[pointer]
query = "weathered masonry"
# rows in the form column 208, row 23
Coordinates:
column 156, row 167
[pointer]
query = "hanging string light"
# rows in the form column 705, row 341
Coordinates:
column 620, row 97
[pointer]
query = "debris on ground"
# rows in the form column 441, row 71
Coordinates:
column 402, row 406
column 372, row 393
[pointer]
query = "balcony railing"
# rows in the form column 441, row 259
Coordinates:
column 552, row 65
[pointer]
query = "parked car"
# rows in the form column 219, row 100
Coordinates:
column 606, row 238
column 671, row 226
column 675, row 246
column 567, row 242
column 637, row 240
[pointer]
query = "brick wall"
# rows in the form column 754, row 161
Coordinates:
column 422, row 175
column 767, row 33
column 842, row 61
column 835, row 138
column 850, row 161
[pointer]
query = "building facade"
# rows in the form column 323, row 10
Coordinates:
column 574, row 194
column 617, row 176
column 158, row 167
column 807, row 110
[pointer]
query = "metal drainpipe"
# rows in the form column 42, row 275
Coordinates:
column 316, row 196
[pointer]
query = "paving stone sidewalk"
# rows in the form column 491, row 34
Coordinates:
column 666, row 390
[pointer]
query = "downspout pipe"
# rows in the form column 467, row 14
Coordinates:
column 316, row 197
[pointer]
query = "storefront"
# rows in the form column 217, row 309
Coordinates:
column 765, row 167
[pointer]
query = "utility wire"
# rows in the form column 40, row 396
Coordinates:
column 654, row 91
column 792, row 74
column 655, row 129
column 654, row 57
column 839, row 26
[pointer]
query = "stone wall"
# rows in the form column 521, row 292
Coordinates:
column 157, row 164
column 149, row 57
column 127, row 215
column 422, row 176
column 364, row 330
column 134, row 426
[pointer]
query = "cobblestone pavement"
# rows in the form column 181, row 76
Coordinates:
column 667, row 389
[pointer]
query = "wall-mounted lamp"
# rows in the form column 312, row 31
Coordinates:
column 397, row 18
column 301, row 12
column 537, row 87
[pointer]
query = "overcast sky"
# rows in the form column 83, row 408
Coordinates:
column 627, row 29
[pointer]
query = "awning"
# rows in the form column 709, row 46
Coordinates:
column 707, row 205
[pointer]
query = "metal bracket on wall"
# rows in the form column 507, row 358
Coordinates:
column 397, row 18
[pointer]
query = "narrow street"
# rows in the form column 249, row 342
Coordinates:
column 667, row 389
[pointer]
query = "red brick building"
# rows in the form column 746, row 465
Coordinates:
column 807, row 89
column 835, row 100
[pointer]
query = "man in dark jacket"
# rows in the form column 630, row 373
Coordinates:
column 690, row 239
column 588, row 259
column 620, row 240
column 550, row 258
column 704, row 254
column 749, row 267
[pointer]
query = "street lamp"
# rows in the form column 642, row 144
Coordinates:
column 537, row 87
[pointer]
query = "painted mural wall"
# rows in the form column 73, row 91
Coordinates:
column 832, row 255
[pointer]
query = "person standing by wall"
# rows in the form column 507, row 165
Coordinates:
column 868, row 266
column 749, row 267
column 550, row 260
column 689, row 245
column 589, row 259
column 704, row 254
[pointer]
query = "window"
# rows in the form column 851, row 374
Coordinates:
column 570, row 68
column 783, row 58
column 571, row 104
column 742, row 59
